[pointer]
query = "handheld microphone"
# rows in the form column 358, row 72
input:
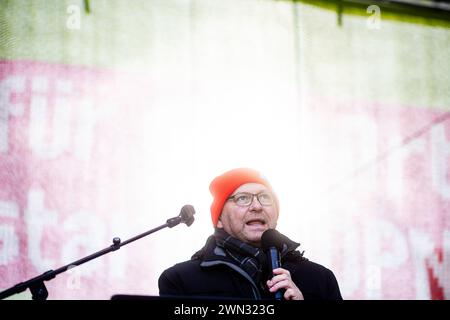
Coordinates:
column 272, row 244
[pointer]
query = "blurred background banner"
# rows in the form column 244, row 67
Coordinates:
column 114, row 114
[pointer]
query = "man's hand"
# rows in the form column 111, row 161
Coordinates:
column 282, row 280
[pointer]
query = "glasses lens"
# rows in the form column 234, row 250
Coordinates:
column 265, row 199
column 243, row 199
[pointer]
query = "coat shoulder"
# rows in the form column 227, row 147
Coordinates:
column 181, row 269
column 315, row 280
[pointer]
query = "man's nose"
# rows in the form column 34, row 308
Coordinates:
column 255, row 205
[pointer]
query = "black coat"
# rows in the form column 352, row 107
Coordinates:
column 211, row 273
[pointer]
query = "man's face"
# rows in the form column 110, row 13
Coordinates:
column 248, row 223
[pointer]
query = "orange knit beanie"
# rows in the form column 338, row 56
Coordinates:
column 224, row 185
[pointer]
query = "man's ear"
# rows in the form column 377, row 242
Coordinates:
column 219, row 224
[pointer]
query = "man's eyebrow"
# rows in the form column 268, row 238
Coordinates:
column 261, row 191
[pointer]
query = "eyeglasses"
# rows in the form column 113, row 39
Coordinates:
column 244, row 199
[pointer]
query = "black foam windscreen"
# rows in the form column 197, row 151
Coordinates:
column 271, row 238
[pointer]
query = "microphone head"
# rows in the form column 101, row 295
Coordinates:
column 187, row 214
column 271, row 238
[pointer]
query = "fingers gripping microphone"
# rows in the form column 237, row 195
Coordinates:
column 272, row 244
column 186, row 216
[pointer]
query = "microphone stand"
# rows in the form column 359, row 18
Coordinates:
column 37, row 286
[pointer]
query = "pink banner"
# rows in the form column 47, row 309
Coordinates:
column 389, row 197
column 67, row 144
column 71, row 137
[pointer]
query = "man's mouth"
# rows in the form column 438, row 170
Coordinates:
column 255, row 222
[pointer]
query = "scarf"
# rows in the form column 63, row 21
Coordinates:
column 250, row 259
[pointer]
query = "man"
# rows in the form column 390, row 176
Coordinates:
column 232, row 263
